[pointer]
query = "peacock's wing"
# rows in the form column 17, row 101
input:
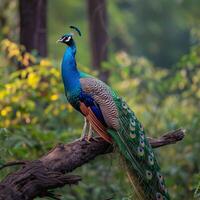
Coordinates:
column 95, row 103
column 102, row 95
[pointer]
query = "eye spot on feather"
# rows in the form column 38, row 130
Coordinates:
column 124, row 105
column 161, row 182
column 159, row 196
column 150, row 160
column 132, row 122
column 141, row 127
column 151, row 153
column 132, row 135
column 142, row 143
column 149, row 175
column 162, row 186
column 140, row 151
column 142, row 135
column 132, row 128
column 160, row 177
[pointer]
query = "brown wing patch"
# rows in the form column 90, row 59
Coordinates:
column 96, row 124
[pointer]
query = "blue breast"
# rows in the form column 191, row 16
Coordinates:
column 71, row 76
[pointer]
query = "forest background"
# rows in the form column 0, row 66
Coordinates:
column 148, row 51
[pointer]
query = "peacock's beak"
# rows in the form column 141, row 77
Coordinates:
column 59, row 40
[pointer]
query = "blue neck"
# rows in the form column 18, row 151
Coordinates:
column 70, row 73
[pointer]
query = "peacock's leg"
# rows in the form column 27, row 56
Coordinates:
column 84, row 131
column 90, row 133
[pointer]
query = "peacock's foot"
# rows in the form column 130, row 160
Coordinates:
column 91, row 137
column 95, row 139
column 82, row 138
column 88, row 138
column 85, row 138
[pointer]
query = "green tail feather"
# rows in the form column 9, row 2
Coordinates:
column 144, row 171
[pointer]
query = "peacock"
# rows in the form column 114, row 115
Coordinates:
column 111, row 118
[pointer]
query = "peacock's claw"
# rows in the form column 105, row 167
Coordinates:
column 82, row 138
column 88, row 140
column 85, row 138
column 91, row 138
column 95, row 139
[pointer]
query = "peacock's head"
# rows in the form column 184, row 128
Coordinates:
column 68, row 38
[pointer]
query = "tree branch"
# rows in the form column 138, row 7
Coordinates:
column 35, row 178
column 168, row 138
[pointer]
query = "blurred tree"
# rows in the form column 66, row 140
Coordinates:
column 97, row 14
column 3, row 20
column 33, row 25
column 8, row 19
column 157, row 30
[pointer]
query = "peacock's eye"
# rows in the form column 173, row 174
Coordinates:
column 67, row 39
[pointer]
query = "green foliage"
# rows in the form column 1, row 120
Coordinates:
column 160, row 30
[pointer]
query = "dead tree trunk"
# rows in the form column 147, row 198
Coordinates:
column 33, row 25
column 97, row 14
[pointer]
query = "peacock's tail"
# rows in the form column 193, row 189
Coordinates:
column 144, row 172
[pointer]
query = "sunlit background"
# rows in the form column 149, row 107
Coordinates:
column 152, row 60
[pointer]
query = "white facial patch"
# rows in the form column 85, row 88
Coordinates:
column 68, row 39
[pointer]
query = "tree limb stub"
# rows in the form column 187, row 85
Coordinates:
column 36, row 178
